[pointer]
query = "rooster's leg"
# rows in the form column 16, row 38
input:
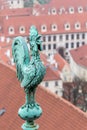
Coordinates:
column 30, row 95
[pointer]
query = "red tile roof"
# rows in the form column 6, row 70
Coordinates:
column 16, row 12
column 5, row 48
column 51, row 74
column 67, row 4
column 43, row 9
column 61, row 61
column 59, row 20
column 3, row 4
column 44, row 59
column 79, row 55
column 58, row 114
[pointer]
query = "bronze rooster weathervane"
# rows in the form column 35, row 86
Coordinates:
column 30, row 72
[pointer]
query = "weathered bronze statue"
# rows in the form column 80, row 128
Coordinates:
column 30, row 72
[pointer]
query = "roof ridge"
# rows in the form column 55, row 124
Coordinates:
column 65, row 102
column 56, row 55
column 8, row 66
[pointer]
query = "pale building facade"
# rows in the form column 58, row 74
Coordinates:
column 63, row 43
column 66, row 74
column 59, row 43
column 78, row 62
column 16, row 4
column 62, row 66
column 55, row 86
column 55, row 39
column 78, row 70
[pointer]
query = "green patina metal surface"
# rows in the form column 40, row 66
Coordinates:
column 30, row 72
column 31, row 3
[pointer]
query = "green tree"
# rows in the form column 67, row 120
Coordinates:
column 43, row 1
column 28, row 3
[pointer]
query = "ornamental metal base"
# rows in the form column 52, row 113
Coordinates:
column 30, row 126
column 30, row 112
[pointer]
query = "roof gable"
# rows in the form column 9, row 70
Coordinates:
column 79, row 55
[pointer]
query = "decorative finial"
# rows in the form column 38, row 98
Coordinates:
column 30, row 72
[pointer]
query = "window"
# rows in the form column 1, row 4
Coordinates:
column 49, row 46
column 77, row 25
column 72, row 36
column 77, row 44
column 44, row 38
column 60, row 37
column 56, row 83
column 67, row 37
column 67, row 26
column 66, row 45
column 44, row 47
column 43, row 28
column 11, row 2
column 54, row 11
column 83, row 36
column 54, row 38
column 22, row 29
column 66, row 53
column 56, row 92
column 71, row 10
column 80, row 9
column 11, row 30
column 54, row 27
column 49, row 54
column 72, row 45
column 83, row 43
column 77, row 36
column 49, row 38
column 54, row 46
column 18, row 1
column 46, row 84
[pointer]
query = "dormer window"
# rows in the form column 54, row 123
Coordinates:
column 22, row 29
column 71, row 10
column 43, row 28
column 54, row 27
column 80, row 9
column 11, row 30
column 67, row 26
column 77, row 25
column 54, row 12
